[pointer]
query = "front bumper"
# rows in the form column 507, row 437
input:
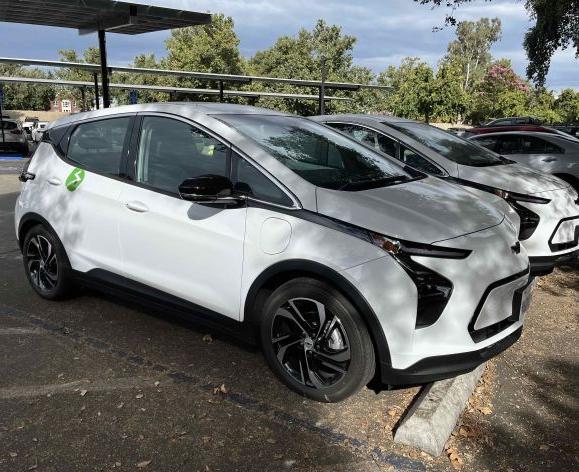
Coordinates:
column 545, row 265
column 432, row 369
column 14, row 147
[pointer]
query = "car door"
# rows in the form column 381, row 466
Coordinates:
column 188, row 250
column 80, row 191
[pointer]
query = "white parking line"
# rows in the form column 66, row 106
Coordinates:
column 76, row 387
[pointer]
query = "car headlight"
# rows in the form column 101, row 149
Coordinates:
column 433, row 289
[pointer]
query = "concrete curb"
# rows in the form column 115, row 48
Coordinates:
column 431, row 419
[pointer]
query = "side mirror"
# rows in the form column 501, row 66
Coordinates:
column 207, row 189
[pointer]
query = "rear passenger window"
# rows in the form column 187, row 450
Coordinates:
column 98, row 146
column 248, row 180
column 171, row 151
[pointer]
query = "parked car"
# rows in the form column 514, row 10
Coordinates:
column 545, row 152
column 570, row 129
column 38, row 130
column 499, row 129
column 351, row 268
column 12, row 138
column 515, row 120
column 547, row 206
column 28, row 124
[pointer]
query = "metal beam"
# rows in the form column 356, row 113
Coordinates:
column 191, row 91
column 196, row 75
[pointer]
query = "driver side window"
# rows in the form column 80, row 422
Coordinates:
column 171, row 151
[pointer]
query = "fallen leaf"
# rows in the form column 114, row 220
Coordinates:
column 157, row 383
column 139, row 396
column 143, row 464
column 543, row 447
column 12, row 454
column 392, row 412
column 220, row 389
column 33, row 467
column 207, row 339
column 120, row 405
column 83, row 393
column 485, row 410
column 271, row 441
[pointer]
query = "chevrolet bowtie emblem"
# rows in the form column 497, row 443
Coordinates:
column 516, row 248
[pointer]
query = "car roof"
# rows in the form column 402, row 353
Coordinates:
column 179, row 108
column 517, row 133
column 365, row 117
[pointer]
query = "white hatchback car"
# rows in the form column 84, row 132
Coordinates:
column 548, row 207
column 349, row 268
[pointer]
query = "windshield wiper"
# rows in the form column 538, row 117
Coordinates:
column 364, row 184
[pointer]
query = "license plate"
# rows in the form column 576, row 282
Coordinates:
column 527, row 297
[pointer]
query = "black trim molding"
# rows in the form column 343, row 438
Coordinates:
column 568, row 245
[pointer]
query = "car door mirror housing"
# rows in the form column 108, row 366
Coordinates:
column 207, row 189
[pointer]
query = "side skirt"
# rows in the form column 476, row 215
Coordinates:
column 159, row 303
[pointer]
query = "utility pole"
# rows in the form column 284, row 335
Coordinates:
column 322, row 99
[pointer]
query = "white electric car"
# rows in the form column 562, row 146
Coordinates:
column 351, row 268
column 548, row 207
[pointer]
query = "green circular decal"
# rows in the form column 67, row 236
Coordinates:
column 74, row 179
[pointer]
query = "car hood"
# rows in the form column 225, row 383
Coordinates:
column 425, row 211
column 512, row 177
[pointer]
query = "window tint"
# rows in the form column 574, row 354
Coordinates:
column 369, row 137
column 171, row 151
column 409, row 157
column 318, row 154
column 248, row 180
column 489, row 142
column 98, row 145
column 534, row 145
column 8, row 125
column 452, row 147
column 510, row 145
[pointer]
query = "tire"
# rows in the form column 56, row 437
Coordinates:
column 46, row 264
column 326, row 357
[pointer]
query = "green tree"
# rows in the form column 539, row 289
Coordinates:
column 450, row 100
column 470, row 51
column 207, row 48
column 556, row 26
column 542, row 105
column 26, row 96
column 301, row 56
column 413, row 89
column 567, row 105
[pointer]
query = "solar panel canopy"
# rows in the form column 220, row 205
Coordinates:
column 92, row 15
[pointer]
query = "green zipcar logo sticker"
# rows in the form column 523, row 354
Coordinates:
column 74, row 179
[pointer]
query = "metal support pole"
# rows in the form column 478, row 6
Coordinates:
column 83, row 98
column 2, row 119
column 104, row 69
column 322, row 99
column 96, row 90
column 221, row 94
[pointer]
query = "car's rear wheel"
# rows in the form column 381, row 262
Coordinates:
column 315, row 341
column 45, row 262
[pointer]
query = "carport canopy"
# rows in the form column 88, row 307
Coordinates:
column 89, row 16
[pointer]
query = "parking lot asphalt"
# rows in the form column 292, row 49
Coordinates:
column 98, row 383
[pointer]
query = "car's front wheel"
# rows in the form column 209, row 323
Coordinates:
column 45, row 262
column 315, row 341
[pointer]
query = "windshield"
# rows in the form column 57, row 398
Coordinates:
column 452, row 147
column 8, row 125
column 318, row 154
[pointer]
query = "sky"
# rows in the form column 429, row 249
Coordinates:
column 387, row 31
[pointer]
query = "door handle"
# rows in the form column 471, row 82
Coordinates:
column 54, row 181
column 139, row 207
column 549, row 159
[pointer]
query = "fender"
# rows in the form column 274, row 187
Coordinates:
column 27, row 221
column 303, row 266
